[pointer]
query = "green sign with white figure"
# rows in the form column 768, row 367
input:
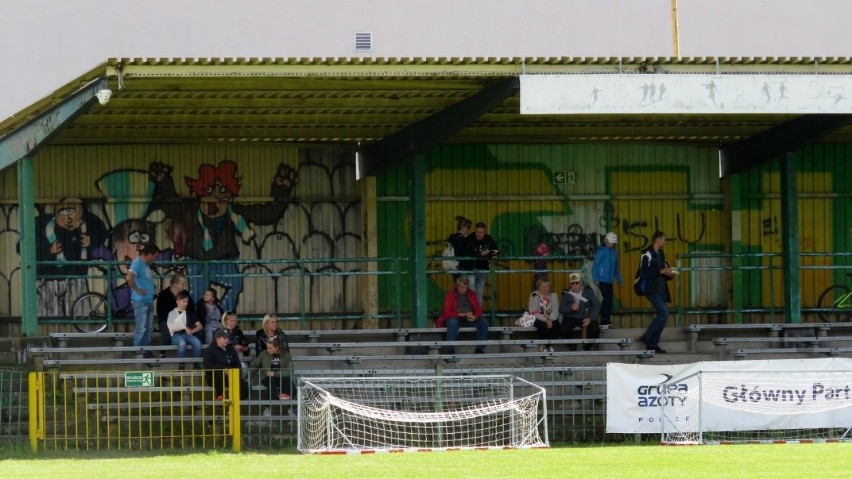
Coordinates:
column 138, row 379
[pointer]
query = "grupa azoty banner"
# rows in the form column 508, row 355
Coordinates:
column 765, row 394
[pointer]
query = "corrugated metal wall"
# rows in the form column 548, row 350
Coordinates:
column 823, row 184
column 523, row 194
column 303, row 202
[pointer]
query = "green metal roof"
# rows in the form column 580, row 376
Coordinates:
column 347, row 101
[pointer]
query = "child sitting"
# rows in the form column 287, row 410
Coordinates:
column 210, row 313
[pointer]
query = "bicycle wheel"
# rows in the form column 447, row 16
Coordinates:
column 829, row 312
column 90, row 313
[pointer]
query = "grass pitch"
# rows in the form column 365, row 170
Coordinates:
column 740, row 461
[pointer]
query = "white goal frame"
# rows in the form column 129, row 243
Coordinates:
column 757, row 406
column 417, row 413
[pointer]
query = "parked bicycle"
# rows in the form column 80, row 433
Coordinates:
column 90, row 313
column 835, row 303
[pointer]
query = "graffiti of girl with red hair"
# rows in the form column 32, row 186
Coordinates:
column 212, row 230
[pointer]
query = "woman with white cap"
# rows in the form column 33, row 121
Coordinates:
column 605, row 272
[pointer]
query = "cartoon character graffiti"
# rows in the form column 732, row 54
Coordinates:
column 208, row 231
column 134, row 224
column 71, row 233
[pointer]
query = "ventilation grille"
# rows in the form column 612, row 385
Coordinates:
column 363, row 41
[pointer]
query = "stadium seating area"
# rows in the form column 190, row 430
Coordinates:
column 88, row 370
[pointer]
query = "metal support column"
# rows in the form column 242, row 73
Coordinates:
column 417, row 206
column 26, row 213
column 735, row 192
column 790, row 240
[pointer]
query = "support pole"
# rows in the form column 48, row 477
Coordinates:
column 26, row 215
column 735, row 206
column 790, row 240
column 417, row 206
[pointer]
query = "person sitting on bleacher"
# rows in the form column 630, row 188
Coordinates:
column 236, row 338
column 461, row 308
column 166, row 302
column 210, row 313
column 219, row 357
column 580, row 308
column 272, row 367
column 544, row 305
column 182, row 326
column 269, row 329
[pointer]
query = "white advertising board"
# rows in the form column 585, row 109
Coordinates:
column 794, row 393
column 685, row 93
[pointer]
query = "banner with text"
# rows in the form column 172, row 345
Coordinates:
column 736, row 395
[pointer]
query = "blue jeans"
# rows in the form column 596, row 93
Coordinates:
column 477, row 278
column 655, row 330
column 481, row 324
column 182, row 339
column 143, row 314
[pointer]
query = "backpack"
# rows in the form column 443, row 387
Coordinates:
column 639, row 281
column 449, row 264
column 638, row 284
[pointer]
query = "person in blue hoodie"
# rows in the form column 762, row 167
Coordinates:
column 605, row 273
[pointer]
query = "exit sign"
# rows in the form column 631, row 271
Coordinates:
column 138, row 379
column 565, row 177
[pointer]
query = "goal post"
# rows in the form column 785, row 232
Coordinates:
column 341, row 414
column 711, row 407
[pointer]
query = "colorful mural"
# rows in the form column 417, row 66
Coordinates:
column 290, row 218
column 209, row 224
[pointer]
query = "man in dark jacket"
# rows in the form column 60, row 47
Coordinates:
column 219, row 357
column 480, row 245
column 580, row 308
column 654, row 272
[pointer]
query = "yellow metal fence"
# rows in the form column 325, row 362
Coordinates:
column 134, row 410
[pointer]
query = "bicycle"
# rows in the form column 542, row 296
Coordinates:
column 835, row 304
column 89, row 311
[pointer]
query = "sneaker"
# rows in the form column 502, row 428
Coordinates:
column 479, row 351
column 284, row 396
column 658, row 350
column 550, row 349
column 606, row 322
column 267, row 411
column 543, row 349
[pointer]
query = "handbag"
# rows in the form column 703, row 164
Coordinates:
column 449, row 264
column 526, row 320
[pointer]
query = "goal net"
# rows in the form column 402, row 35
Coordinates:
column 419, row 413
column 712, row 407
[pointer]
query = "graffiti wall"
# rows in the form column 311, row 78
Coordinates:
column 217, row 213
column 235, row 208
column 566, row 197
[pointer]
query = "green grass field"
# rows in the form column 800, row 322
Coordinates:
column 646, row 461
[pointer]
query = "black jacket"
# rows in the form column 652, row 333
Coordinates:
column 649, row 271
column 218, row 358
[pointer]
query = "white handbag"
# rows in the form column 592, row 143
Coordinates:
column 526, row 320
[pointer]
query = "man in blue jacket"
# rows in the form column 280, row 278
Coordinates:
column 605, row 273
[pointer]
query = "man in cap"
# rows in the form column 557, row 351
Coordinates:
column 605, row 273
column 579, row 308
